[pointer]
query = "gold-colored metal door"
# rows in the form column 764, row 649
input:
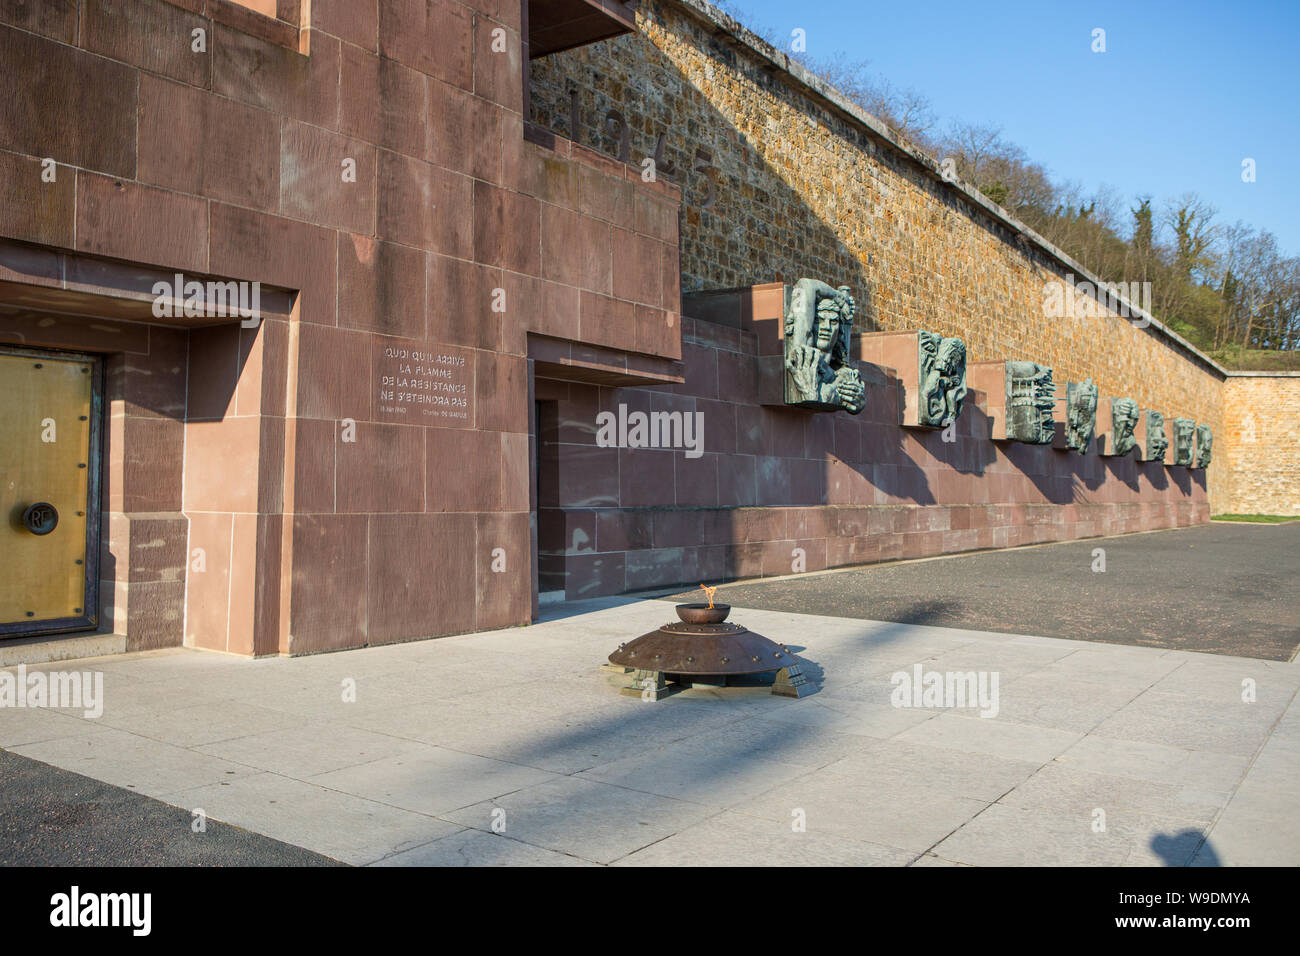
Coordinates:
column 49, row 491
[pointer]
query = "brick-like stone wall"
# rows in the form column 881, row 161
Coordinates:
column 1259, row 447
column 789, row 185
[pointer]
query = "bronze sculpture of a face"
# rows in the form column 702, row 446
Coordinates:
column 1123, row 426
column 818, row 333
column 1184, row 436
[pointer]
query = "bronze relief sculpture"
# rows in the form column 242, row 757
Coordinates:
column 1204, row 446
column 1030, row 397
column 818, row 330
column 1080, row 415
column 1123, row 428
column 1157, row 442
column 1184, row 436
column 942, row 379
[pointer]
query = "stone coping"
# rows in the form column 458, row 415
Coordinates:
column 1246, row 373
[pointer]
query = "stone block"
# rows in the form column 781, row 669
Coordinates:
column 152, row 34
column 94, row 99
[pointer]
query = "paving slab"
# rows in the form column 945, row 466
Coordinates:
column 1049, row 700
column 1172, row 766
column 34, row 725
column 334, row 824
column 978, row 776
column 470, row 847
column 714, row 777
column 735, row 839
column 197, row 724
column 585, row 818
column 431, row 780
column 1063, row 789
column 1194, row 723
column 309, row 750
column 1004, row 835
column 142, row 764
column 994, row 737
column 907, row 815
column 1260, row 825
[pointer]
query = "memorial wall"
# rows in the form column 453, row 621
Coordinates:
column 736, row 473
column 782, row 179
column 358, row 353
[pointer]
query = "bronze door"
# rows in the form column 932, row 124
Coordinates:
column 50, row 408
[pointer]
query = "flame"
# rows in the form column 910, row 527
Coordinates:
column 709, row 591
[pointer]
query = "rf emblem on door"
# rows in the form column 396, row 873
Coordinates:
column 49, row 491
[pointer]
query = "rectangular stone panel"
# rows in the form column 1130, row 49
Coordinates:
column 990, row 378
column 426, row 206
column 382, row 101
column 421, row 577
column 32, row 209
column 251, row 245
column 327, row 179
column 418, row 384
column 93, row 99
column 381, row 469
column 503, row 558
column 56, row 19
column 900, row 353
column 334, row 373
column 253, row 71
column 139, row 223
column 195, row 142
column 152, row 34
column 329, row 558
column 358, row 23
column 381, row 286
column 407, row 29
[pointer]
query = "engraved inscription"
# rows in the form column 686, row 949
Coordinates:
column 426, row 386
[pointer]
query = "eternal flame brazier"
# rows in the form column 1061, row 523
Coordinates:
column 704, row 648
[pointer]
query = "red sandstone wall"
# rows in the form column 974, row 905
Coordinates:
column 330, row 515
column 844, row 489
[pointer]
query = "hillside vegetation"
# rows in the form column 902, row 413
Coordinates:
column 1227, row 288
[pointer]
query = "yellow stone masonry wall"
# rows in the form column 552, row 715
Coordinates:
column 798, row 189
column 1260, row 460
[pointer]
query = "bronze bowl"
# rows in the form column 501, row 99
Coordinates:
column 702, row 613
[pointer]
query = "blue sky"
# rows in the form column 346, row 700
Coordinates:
column 1184, row 92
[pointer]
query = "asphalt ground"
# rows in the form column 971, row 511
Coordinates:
column 52, row 817
column 1220, row 588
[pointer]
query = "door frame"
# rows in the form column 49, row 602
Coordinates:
column 89, row 620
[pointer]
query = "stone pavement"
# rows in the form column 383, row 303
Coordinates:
column 1221, row 588
column 520, row 728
